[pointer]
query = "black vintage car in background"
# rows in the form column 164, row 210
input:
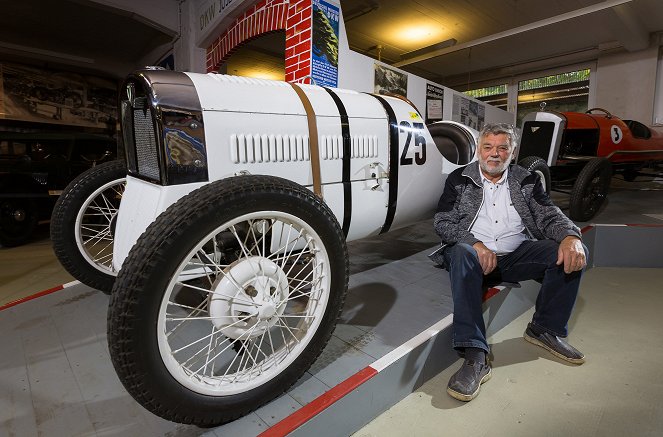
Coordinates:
column 35, row 168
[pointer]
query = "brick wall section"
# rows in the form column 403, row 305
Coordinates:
column 298, row 41
column 265, row 16
column 293, row 16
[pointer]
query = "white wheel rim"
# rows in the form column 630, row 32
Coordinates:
column 92, row 229
column 210, row 339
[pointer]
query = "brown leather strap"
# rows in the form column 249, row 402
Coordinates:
column 313, row 139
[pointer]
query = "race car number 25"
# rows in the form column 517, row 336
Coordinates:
column 415, row 130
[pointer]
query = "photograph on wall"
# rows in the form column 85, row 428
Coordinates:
column 468, row 112
column 434, row 101
column 388, row 81
column 324, row 56
column 43, row 96
column 481, row 116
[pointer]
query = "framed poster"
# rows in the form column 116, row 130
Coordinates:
column 434, row 103
column 389, row 81
column 324, row 53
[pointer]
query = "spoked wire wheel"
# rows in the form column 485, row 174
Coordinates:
column 83, row 224
column 227, row 299
column 95, row 225
column 258, row 309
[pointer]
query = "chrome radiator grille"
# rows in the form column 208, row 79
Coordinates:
column 164, row 138
column 147, row 159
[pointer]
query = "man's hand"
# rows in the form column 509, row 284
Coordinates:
column 571, row 254
column 487, row 257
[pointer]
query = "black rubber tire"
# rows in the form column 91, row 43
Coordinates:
column 590, row 189
column 142, row 282
column 63, row 223
column 538, row 166
column 18, row 218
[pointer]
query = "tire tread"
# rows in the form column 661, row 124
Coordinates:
column 156, row 240
column 63, row 220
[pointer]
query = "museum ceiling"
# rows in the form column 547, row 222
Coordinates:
column 453, row 42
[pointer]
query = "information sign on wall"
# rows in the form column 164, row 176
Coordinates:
column 434, row 101
column 324, row 53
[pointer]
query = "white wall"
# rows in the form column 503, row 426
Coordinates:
column 625, row 83
column 658, row 95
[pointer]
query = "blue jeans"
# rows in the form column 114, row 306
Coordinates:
column 531, row 260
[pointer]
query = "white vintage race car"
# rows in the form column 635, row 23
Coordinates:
column 240, row 196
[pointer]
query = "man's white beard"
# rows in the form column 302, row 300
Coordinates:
column 496, row 171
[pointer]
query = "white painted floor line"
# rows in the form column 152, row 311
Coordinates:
column 411, row 344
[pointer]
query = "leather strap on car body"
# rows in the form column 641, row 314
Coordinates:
column 313, row 139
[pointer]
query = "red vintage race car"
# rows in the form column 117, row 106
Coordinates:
column 577, row 153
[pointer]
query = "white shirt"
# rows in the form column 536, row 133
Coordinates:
column 498, row 224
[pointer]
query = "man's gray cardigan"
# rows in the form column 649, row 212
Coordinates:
column 463, row 197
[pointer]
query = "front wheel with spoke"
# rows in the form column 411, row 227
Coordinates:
column 227, row 299
column 83, row 224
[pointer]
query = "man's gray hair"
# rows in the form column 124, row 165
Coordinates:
column 500, row 128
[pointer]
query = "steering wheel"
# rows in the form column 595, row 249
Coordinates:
column 607, row 114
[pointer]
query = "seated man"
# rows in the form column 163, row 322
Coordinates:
column 497, row 219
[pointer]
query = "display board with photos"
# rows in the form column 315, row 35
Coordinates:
column 468, row 112
column 44, row 96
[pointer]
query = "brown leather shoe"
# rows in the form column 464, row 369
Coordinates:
column 555, row 345
column 464, row 385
